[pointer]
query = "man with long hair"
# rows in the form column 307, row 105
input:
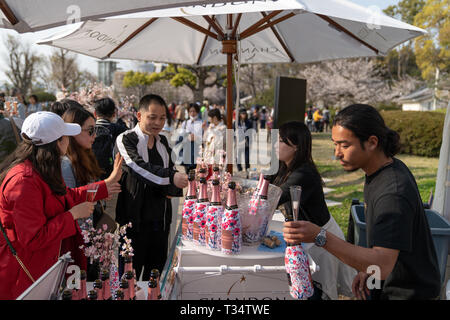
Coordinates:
column 400, row 248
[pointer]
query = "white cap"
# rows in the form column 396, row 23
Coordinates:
column 43, row 127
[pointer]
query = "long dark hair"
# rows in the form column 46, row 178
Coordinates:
column 365, row 121
column 296, row 133
column 83, row 160
column 46, row 160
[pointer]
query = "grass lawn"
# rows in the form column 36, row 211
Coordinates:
column 350, row 185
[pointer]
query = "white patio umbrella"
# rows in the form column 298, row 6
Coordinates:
column 250, row 31
column 441, row 202
column 30, row 16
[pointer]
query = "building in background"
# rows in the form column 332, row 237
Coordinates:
column 106, row 71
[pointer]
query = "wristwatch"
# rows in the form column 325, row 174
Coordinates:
column 321, row 238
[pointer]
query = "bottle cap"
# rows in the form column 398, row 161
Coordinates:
column 98, row 284
column 67, row 295
column 83, row 274
column 129, row 275
column 154, row 273
column 123, row 284
column 202, row 170
column 92, row 295
column 105, row 275
column 216, row 169
column 202, row 180
column 152, row 283
column 119, row 294
column 232, row 185
column 215, row 182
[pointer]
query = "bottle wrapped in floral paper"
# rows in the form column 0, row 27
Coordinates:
column 297, row 269
column 189, row 208
column 231, row 224
column 258, row 214
column 214, row 218
column 201, row 211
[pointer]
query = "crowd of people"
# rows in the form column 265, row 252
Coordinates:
column 44, row 205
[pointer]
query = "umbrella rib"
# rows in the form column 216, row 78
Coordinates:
column 283, row 44
column 195, row 26
column 267, row 25
column 238, row 20
column 8, row 12
column 214, row 25
column 203, row 47
column 341, row 28
column 131, row 36
column 252, row 28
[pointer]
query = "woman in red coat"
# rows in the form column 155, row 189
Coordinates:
column 37, row 210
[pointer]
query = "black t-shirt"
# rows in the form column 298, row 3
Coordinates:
column 395, row 219
column 312, row 200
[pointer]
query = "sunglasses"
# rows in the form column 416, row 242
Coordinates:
column 91, row 131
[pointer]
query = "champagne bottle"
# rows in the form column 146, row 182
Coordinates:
column 106, row 285
column 130, row 279
column 128, row 263
column 82, row 294
column 154, row 275
column 67, row 295
column 75, row 291
column 152, row 290
column 201, row 210
column 214, row 218
column 298, row 273
column 125, row 289
column 98, row 287
column 189, row 208
column 231, row 224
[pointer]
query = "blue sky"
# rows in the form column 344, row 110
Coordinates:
column 91, row 64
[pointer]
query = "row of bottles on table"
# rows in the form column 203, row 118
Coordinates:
column 127, row 287
column 208, row 223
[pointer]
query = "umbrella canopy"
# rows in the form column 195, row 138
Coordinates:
column 268, row 32
column 30, row 16
column 250, row 31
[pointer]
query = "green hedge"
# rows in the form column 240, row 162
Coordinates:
column 420, row 132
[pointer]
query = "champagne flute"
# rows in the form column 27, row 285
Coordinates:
column 296, row 192
column 91, row 192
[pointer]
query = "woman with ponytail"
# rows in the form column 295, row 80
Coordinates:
column 399, row 248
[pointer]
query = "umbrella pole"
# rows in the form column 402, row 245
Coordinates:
column 229, row 140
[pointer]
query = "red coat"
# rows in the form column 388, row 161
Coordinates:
column 39, row 226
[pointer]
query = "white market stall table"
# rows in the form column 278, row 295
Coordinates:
column 197, row 273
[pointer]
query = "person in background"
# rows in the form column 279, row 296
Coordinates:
column 2, row 104
column 167, row 130
column 37, row 210
column 326, row 119
column 107, row 131
column 34, row 105
column 193, row 127
column 243, row 142
column 297, row 168
column 22, row 107
column 309, row 118
column 263, row 118
column 214, row 137
column 149, row 180
column 79, row 166
column 254, row 118
column 180, row 114
column 317, row 117
column 59, row 107
column 399, row 241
